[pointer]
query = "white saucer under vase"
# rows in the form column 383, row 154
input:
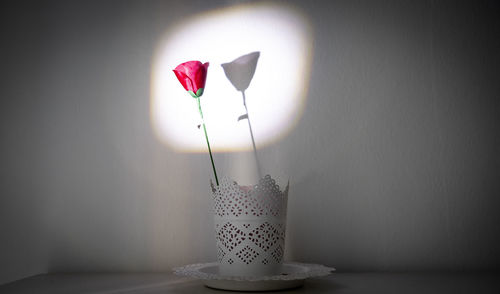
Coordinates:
column 292, row 275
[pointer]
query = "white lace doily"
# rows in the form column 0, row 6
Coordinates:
column 290, row 271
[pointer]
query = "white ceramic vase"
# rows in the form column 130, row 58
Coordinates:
column 250, row 224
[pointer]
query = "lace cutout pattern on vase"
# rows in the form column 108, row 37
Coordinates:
column 263, row 199
column 250, row 222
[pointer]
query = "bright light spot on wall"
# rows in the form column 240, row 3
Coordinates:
column 275, row 96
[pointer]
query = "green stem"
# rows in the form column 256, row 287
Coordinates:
column 208, row 143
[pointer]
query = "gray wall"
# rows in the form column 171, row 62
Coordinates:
column 394, row 164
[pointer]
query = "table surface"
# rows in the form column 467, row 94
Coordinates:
column 135, row 283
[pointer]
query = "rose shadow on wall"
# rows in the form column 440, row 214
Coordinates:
column 278, row 90
column 240, row 73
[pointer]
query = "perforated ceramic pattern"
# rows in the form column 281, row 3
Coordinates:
column 250, row 223
column 266, row 236
column 263, row 199
column 250, row 242
column 230, row 236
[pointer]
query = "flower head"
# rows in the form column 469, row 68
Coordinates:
column 192, row 75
